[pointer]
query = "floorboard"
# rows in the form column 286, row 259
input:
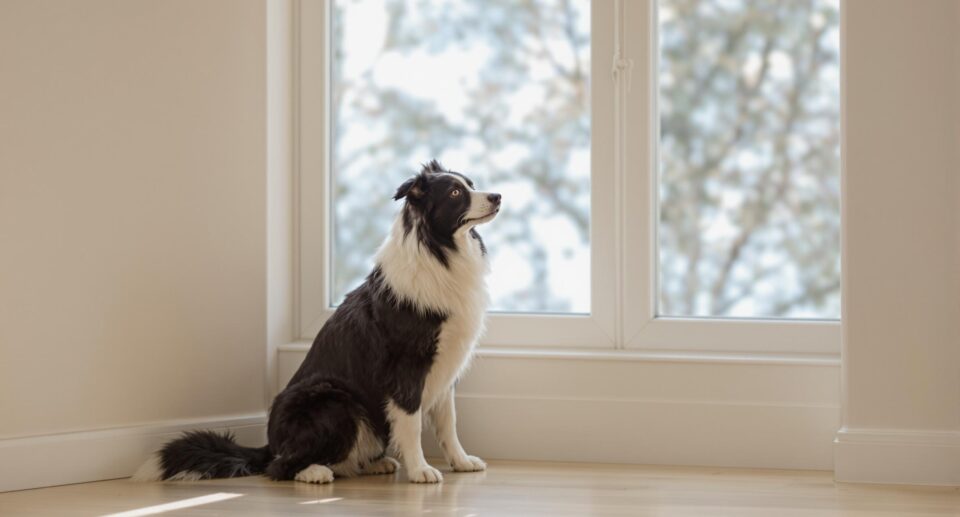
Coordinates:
column 507, row 488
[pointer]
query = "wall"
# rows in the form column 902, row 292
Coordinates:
column 280, row 185
column 901, row 357
column 132, row 219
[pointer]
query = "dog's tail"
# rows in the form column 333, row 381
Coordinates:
column 203, row 455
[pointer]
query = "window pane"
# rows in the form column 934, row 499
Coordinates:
column 497, row 90
column 749, row 184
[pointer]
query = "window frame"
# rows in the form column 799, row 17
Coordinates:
column 624, row 52
column 648, row 330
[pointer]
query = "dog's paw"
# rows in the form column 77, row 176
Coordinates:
column 425, row 474
column 315, row 474
column 385, row 465
column 469, row 464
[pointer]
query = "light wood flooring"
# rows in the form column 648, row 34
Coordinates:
column 507, row 488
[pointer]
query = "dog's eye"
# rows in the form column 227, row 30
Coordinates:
column 455, row 193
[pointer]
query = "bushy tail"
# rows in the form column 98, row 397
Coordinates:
column 203, row 455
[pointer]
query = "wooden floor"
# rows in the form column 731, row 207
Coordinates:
column 507, row 488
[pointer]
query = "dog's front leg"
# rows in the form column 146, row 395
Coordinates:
column 405, row 431
column 444, row 417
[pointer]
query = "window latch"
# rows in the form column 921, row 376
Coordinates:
column 622, row 67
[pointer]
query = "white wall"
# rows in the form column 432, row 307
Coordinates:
column 132, row 213
column 901, row 357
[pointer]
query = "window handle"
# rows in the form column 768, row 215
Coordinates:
column 622, row 67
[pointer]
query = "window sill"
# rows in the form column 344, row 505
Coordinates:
column 635, row 355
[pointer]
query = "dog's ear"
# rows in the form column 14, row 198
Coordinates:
column 412, row 189
column 432, row 167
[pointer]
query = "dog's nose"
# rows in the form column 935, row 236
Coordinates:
column 494, row 198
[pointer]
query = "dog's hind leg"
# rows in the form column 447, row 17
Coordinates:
column 366, row 453
column 384, row 465
column 313, row 427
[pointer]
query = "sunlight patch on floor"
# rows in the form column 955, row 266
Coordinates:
column 321, row 501
column 176, row 505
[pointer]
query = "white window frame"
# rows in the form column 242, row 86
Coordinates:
column 624, row 125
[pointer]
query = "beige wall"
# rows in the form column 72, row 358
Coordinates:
column 901, row 262
column 132, row 212
column 902, row 308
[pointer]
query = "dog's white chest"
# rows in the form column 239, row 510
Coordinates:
column 455, row 346
column 462, row 328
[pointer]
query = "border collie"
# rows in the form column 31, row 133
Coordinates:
column 387, row 358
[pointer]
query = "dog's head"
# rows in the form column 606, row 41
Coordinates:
column 443, row 202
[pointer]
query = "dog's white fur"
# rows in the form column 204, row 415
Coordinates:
column 150, row 470
column 405, row 429
column 318, row 474
column 443, row 416
column 367, row 446
column 459, row 291
column 385, row 465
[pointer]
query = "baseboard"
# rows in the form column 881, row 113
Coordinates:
column 897, row 456
column 77, row 457
column 646, row 432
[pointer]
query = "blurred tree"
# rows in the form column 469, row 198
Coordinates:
column 749, row 158
column 749, row 171
column 520, row 115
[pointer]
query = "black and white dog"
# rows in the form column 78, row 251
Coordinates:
column 386, row 360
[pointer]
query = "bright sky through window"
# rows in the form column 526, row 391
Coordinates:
column 749, row 172
column 497, row 90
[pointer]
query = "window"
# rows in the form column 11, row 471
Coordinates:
column 749, row 159
column 499, row 90
column 635, row 143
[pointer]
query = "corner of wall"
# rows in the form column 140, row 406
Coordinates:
column 279, row 183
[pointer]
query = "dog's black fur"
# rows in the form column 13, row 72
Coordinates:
column 214, row 455
column 375, row 347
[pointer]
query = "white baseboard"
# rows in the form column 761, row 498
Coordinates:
column 77, row 457
column 646, row 432
column 897, row 456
